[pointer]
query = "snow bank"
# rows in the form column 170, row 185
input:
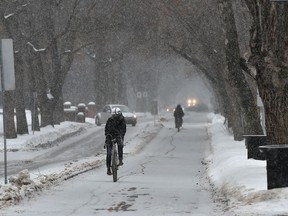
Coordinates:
column 25, row 184
column 241, row 181
column 48, row 136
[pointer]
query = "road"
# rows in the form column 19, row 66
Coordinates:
column 166, row 177
column 79, row 146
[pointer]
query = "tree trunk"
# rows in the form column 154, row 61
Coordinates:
column 59, row 111
column 37, row 82
column 101, row 84
column 269, row 45
column 46, row 109
column 276, row 113
column 9, row 115
column 33, row 106
column 22, row 126
column 236, row 78
column 233, row 111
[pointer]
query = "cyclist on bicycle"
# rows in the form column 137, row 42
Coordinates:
column 115, row 128
column 178, row 114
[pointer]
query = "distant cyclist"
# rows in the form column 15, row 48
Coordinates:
column 178, row 115
column 116, row 128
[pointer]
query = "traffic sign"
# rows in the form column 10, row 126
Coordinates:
column 7, row 65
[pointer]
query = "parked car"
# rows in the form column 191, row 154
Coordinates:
column 103, row 116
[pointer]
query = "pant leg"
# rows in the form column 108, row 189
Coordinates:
column 109, row 151
column 120, row 148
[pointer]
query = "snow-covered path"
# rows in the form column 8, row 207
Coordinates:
column 165, row 178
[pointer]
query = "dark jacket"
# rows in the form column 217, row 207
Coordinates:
column 178, row 113
column 115, row 126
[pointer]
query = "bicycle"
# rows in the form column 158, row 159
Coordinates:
column 114, row 157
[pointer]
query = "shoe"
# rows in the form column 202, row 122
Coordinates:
column 120, row 163
column 109, row 171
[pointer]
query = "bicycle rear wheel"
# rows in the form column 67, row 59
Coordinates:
column 114, row 163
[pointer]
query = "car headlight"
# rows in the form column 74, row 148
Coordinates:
column 134, row 116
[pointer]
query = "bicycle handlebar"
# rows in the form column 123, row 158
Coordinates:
column 115, row 138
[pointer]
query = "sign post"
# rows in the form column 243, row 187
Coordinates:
column 7, row 83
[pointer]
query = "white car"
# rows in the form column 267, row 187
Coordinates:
column 102, row 117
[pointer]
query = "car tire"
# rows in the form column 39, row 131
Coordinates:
column 133, row 124
column 98, row 122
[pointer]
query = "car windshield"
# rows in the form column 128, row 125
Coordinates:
column 123, row 108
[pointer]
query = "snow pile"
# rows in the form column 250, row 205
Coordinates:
column 20, row 186
column 242, row 182
column 47, row 137
column 23, row 185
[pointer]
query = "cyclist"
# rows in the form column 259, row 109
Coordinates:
column 178, row 114
column 116, row 128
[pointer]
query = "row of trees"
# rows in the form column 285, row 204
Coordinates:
column 48, row 34
column 223, row 48
column 45, row 39
column 238, row 47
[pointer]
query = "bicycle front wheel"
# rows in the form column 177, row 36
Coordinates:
column 114, row 164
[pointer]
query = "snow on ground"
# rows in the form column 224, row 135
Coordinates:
column 25, row 183
column 241, row 181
